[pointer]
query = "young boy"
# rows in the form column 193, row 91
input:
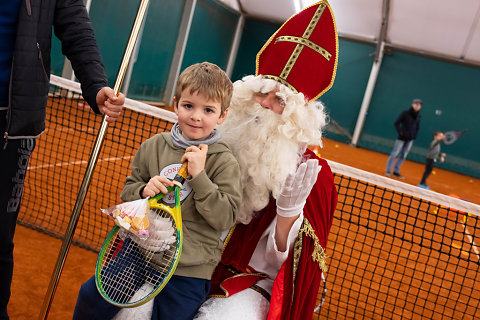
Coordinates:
column 432, row 156
column 210, row 198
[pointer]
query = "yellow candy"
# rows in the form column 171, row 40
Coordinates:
column 140, row 223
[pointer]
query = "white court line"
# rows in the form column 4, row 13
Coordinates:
column 73, row 163
column 469, row 236
column 69, row 129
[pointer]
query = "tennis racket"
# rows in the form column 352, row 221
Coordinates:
column 452, row 136
column 131, row 271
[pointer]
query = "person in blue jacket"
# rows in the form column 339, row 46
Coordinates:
column 407, row 126
column 26, row 36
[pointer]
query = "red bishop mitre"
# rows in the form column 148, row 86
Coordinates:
column 303, row 53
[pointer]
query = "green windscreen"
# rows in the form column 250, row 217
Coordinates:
column 57, row 58
column 211, row 34
column 157, row 48
column 450, row 103
column 255, row 34
column 112, row 21
column 344, row 99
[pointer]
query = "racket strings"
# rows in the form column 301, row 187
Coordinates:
column 130, row 272
column 118, row 274
column 116, row 290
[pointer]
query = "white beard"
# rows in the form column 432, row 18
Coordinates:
column 268, row 146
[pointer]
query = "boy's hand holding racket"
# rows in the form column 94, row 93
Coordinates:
column 156, row 185
column 196, row 157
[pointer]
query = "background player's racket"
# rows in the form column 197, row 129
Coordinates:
column 131, row 271
column 452, row 136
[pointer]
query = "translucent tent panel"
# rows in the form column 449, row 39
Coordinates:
column 359, row 19
column 231, row 3
column 472, row 52
column 435, row 26
column 275, row 10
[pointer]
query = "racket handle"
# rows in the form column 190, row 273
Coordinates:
column 182, row 173
column 179, row 177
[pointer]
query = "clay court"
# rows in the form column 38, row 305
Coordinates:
column 36, row 252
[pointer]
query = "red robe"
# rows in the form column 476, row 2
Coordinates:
column 294, row 292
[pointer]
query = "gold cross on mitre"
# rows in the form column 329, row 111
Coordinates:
column 310, row 68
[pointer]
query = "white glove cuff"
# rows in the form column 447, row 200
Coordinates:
column 290, row 212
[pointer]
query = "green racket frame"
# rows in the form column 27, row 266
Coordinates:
column 175, row 212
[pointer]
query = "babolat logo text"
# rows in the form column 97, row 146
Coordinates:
column 24, row 152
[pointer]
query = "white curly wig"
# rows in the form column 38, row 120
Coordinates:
column 267, row 145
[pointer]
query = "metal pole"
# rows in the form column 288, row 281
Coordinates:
column 88, row 4
column 235, row 45
column 373, row 74
column 187, row 17
column 366, row 98
column 67, row 239
column 236, row 40
column 133, row 60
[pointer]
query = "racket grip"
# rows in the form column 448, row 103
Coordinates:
column 179, row 177
column 182, row 173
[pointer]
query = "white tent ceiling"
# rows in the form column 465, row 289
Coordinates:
column 442, row 28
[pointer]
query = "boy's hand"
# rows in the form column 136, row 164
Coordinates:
column 196, row 157
column 156, row 185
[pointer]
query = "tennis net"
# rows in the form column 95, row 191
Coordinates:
column 395, row 251
column 400, row 252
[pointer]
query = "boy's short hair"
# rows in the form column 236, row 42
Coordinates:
column 436, row 133
column 208, row 79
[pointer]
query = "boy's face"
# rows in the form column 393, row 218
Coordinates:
column 197, row 115
column 440, row 136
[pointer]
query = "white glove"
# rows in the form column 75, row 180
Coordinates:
column 161, row 234
column 297, row 187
